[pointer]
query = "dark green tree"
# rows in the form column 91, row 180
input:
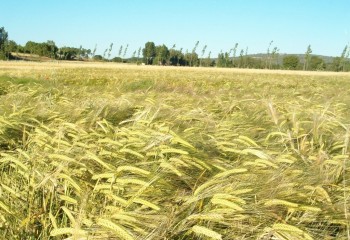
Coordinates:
column 291, row 62
column 47, row 49
column 3, row 38
column 97, row 57
column 176, row 58
column 183, row 58
column 162, row 54
column 149, row 52
column 11, row 46
column 316, row 63
column 221, row 59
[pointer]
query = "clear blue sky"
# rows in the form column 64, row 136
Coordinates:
column 291, row 24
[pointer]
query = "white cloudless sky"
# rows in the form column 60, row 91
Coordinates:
column 219, row 24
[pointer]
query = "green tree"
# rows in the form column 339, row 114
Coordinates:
column 120, row 51
column 125, row 50
column 317, row 63
column 291, row 62
column 209, row 61
column 11, row 46
column 97, row 57
column 227, row 58
column 110, row 50
column 149, row 52
column 193, row 54
column 203, row 52
column 3, row 38
column 94, row 52
column 221, row 59
column 104, row 53
column 162, row 54
column 241, row 59
column 268, row 56
column 138, row 54
column 234, row 50
column 307, row 58
column 182, row 56
column 51, row 48
column 343, row 57
column 274, row 57
column 71, row 53
column 171, row 50
column 191, row 59
column 4, row 53
column 336, row 64
column 67, row 53
column 47, row 49
column 176, row 57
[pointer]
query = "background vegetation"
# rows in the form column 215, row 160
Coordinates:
column 173, row 153
column 151, row 54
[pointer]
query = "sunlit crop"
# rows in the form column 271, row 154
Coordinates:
column 173, row 153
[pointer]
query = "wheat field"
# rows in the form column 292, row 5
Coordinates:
column 108, row 151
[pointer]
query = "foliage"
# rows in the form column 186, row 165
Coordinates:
column 149, row 52
column 3, row 38
column 317, row 63
column 98, row 58
column 191, row 59
column 162, row 54
column 224, row 60
column 290, row 62
column 71, row 53
column 3, row 41
column 176, row 58
column 140, row 153
column 47, row 49
column 116, row 59
column 307, row 57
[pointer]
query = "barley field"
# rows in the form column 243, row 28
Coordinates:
column 108, row 151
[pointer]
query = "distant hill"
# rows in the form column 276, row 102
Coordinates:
column 326, row 59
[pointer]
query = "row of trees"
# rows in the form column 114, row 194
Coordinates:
column 162, row 55
column 313, row 62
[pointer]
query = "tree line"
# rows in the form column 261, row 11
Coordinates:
column 152, row 54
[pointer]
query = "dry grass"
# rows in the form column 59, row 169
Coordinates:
column 22, row 66
column 110, row 151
